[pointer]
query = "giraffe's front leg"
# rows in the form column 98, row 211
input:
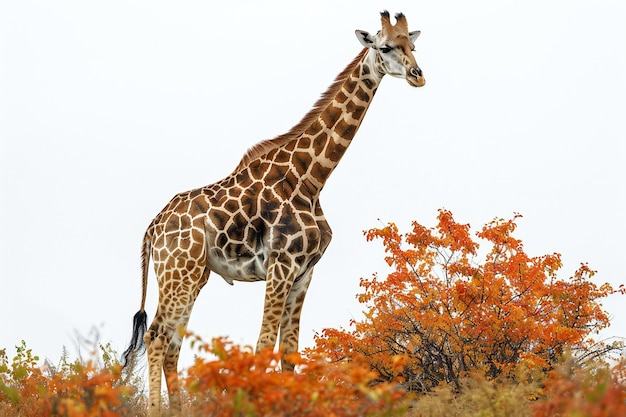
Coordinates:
column 290, row 321
column 280, row 276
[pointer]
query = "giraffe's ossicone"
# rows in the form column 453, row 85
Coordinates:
column 264, row 221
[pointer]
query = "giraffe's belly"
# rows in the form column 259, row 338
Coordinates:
column 243, row 266
column 241, row 263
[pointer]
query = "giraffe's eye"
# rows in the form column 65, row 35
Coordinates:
column 385, row 49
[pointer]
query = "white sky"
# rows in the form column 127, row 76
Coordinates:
column 107, row 109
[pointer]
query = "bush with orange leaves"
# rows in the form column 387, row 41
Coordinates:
column 241, row 383
column 447, row 314
column 72, row 389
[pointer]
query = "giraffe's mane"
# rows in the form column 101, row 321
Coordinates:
column 267, row 145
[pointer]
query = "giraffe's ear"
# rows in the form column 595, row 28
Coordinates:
column 365, row 38
column 414, row 35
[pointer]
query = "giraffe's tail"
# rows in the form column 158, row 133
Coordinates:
column 140, row 320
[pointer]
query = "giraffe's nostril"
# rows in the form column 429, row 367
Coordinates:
column 416, row 72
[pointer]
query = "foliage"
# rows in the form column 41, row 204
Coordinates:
column 479, row 397
column 67, row 389
column 241, row 383
column 470, row 338
column 596, row 389
column 592, row 389
column 442, row 314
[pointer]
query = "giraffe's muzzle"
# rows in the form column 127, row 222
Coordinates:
column 415, row 77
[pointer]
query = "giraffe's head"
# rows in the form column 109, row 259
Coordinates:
column 393, row 46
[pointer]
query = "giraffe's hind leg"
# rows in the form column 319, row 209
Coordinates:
column 170, row 366
column 170, row 363
column 164, row 339
column 156, row 339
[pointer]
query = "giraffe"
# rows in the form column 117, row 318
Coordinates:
column 264, row 221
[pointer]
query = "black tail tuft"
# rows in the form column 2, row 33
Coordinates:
column 140, row 326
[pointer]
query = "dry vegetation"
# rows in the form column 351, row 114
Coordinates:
column 443, row 335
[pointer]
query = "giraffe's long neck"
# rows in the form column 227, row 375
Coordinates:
column 311, row 150
column 326, row 139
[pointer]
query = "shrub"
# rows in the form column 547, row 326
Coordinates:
column 443, row 313
column 69, row 389
column 596, row 389
column 479, row 397
column 241, row 383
